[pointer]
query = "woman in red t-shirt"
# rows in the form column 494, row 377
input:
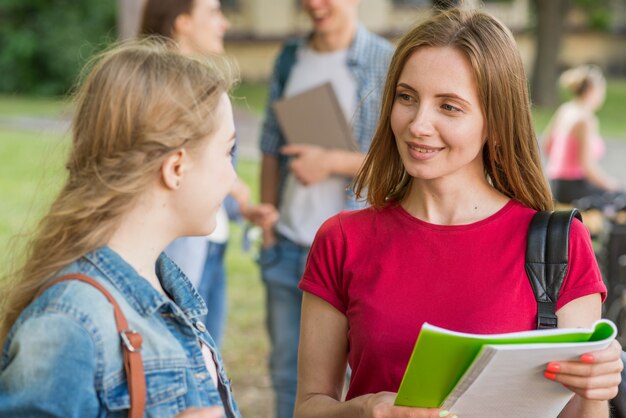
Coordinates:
column 453, row 177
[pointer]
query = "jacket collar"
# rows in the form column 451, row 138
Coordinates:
column 139, row 292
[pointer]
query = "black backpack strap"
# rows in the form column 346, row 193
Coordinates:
column 546, row 260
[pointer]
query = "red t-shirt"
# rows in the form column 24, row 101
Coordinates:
column 390, row 272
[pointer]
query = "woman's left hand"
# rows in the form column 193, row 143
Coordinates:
column 595, row 376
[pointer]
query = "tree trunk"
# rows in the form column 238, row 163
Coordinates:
column 550, row 27
column 128, row 16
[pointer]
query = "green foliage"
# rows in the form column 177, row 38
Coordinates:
column 43, row 44
column 598, row 13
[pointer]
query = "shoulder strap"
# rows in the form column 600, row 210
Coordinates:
column 131, row 345
column 546, row 260
column 284, row 64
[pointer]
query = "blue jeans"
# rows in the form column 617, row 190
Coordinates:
column 282, row 266
column 212, row 288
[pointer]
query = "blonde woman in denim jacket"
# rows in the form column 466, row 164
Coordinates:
column 151, row 152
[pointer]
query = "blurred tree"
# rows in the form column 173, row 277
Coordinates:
column 550, row 18
column 44, row 44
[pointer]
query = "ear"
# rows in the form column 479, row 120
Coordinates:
column 173, row 169
column 182, row 26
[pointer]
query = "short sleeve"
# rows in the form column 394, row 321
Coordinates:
column 583, row 274
column 50, row 370
column 323, row 274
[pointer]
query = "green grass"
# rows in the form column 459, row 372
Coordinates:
column 251, row 96
column 29, row 106
column 30, row 174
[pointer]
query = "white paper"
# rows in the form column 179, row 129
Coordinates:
column 507, row 380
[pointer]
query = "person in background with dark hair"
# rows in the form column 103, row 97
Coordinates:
column 454, row 179
column 572, row 140
column 197, row 27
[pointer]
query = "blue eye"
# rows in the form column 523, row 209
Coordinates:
column 233, row 150
column 404, row 97
column 450, row 108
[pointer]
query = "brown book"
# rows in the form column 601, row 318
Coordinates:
column 314, row 117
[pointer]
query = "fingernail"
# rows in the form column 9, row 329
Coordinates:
column 454, row 416
column 553, row 367
column 586, row 358
column 549, row 375
column 444, row 413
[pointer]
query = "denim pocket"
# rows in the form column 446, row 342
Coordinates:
column 269, row 256
column 164, row 387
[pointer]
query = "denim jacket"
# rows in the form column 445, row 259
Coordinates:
column 63, row 356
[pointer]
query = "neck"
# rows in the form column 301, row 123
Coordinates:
column 440, row 203
column 584, row 103
column 331, row 41
column 139, row 240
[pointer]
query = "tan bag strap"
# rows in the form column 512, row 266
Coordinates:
column 131, row 344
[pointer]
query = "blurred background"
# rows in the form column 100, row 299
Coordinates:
column 43, row 45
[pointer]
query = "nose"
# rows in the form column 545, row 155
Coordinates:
column 225, row 23
column 310, row 4
column 421, row 125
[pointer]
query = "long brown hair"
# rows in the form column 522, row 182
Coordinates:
column 511, row 153
column 159, row 16
column 139, row 102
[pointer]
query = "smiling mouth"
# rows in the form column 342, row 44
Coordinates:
column 320, row 15
column 423, row 150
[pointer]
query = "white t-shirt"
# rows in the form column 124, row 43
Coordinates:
column 209, row 362
column 220, row 234
column 304, row 208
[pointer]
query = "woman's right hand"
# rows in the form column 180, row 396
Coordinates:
column 380, row 405
column 211, row 412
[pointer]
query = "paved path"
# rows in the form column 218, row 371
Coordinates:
column 248, row 128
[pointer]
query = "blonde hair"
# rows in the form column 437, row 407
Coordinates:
column 139, row 102
column 511, row 153
column 579, row 79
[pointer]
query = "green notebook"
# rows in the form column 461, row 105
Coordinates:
column 441, row 357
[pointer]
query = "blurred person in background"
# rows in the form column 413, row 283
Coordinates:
column 197, row 27
column 573, row 143
column 306, row 182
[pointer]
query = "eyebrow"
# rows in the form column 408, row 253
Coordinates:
column 444, row 95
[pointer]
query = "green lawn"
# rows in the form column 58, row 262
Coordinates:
column 29, row 106
column 252, row 96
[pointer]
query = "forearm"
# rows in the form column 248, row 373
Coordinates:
column 321, row 405
column 345, row 163
column 579, row 407
column 598, row 177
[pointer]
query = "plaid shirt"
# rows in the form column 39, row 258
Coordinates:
column 367, row 59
